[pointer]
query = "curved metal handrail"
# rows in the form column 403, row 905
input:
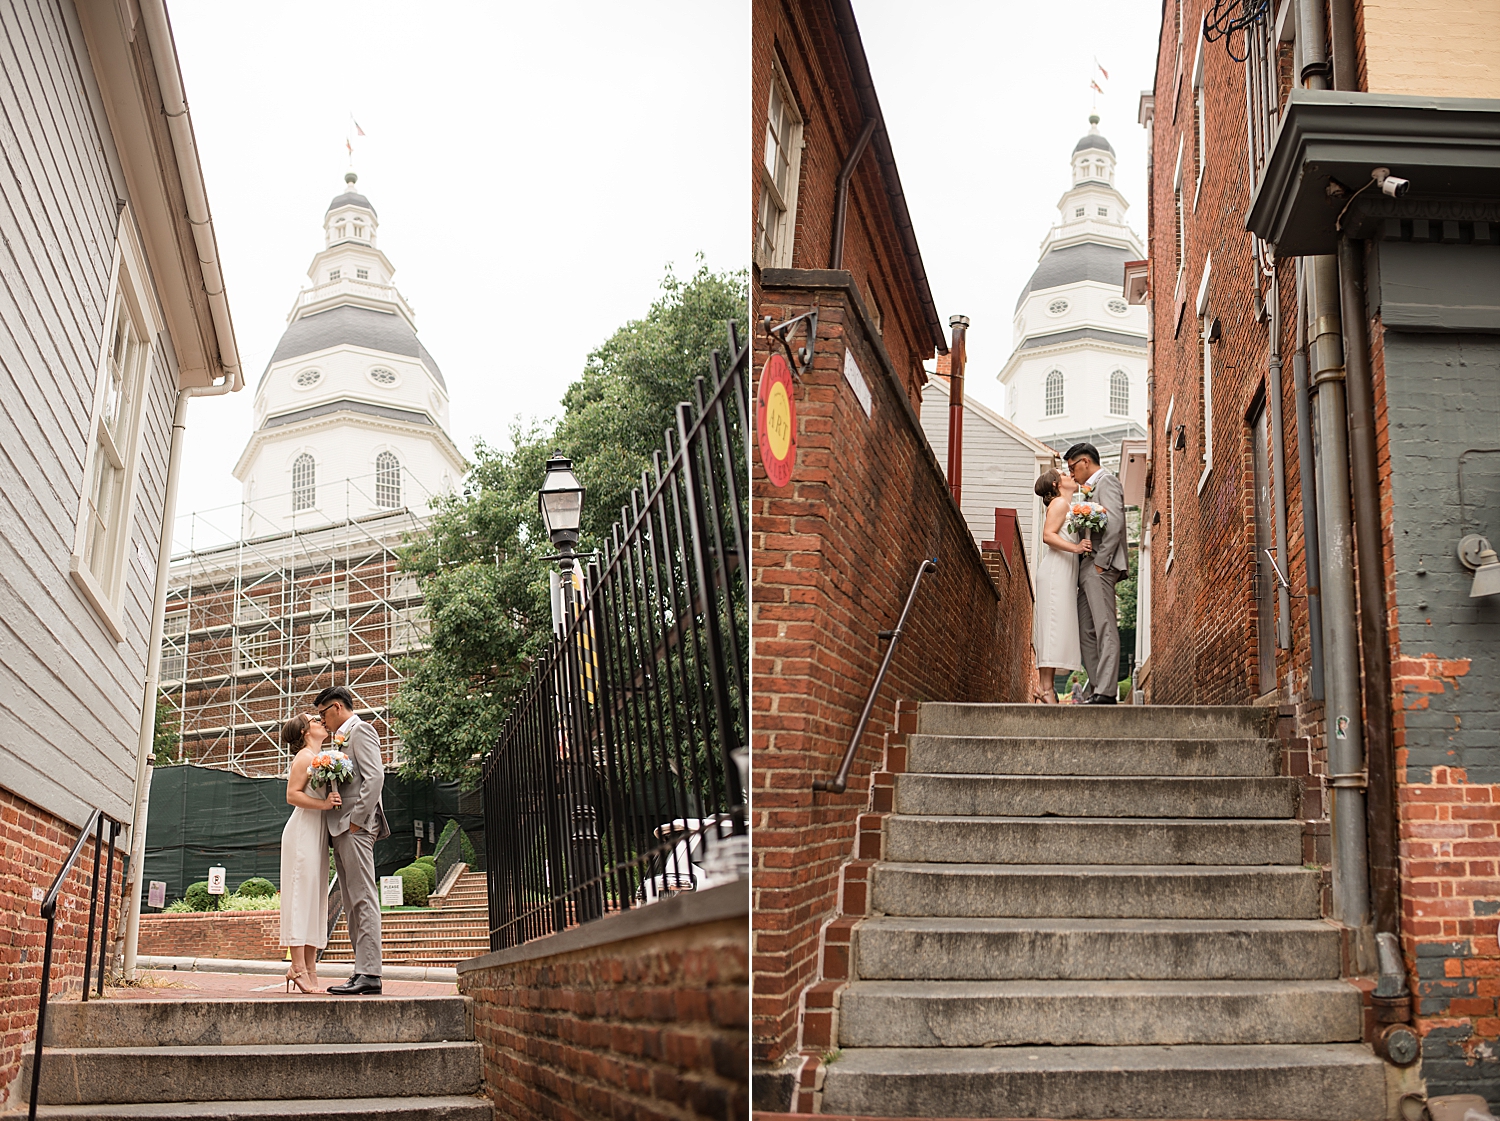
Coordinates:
column 840, row 781
column 94, row 826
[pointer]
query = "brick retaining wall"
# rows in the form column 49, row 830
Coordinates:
column 227, row 935
column 641, row 1014
column 33, row 846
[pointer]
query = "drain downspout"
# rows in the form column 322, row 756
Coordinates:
column 1308, row 481
column 958, row 353
column 1278, row 468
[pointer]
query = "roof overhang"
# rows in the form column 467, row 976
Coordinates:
column 1137, row 280
column 1448, row 147
column 130, row 48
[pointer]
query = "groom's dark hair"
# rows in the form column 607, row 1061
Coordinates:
column 333, row 693
column 1079, row 450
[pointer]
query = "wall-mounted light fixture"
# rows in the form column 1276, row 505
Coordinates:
column 1476, row 554
column 1180, row 439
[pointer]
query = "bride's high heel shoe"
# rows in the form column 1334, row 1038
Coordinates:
column 297, row 980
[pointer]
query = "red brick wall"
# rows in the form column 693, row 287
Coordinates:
column 35, row 845
column 650, row 1027
column 228, row 935
column 834, row 556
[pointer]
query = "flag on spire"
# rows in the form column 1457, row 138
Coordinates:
column 1095, row 86
column 1100, row 68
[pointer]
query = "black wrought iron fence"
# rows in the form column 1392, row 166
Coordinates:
column 616, row 781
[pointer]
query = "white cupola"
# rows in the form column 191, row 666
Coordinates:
column 1078, row 371
column 351, row 413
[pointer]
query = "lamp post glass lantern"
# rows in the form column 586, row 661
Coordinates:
column 561, row 501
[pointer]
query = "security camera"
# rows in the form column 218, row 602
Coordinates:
column 1390, row 184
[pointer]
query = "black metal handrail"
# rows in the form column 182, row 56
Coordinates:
column 840, row 782
column 449, row 853
column 335, row 912
column 95, row 826
column 615, row 773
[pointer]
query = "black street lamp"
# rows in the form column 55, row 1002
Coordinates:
column 561, row 503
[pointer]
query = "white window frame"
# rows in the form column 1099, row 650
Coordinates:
column 1171, row 486
column 1199, row 123
column 1124, row 373
column 174, row 643
column 382, row 484
column 1208, row 374
column 101, row 578
column 312, row 488
column 411, row 629
column 785, row 221
column 1062, row 393
column 328, row 639
column 1181, row 223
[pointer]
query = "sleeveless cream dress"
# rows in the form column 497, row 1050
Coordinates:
column 304, row 879
column 1054, row 623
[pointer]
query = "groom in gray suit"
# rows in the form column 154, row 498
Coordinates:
column 1098, row 573
column 354, row 827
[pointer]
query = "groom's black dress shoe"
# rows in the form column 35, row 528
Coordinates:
column 1101, row 699
column 358, row 985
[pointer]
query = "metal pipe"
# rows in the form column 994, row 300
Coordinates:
column 1310, row 35
column 1278, row 466
column 1368, row 544
column 1307, row 473
column 958, row 354
column 841, row 192
column 1343, row 727
column 840, row 782
column 1341, row 38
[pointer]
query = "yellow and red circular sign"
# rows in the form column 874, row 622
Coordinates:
column 776, row 420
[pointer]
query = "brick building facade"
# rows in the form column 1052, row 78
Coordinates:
column 1325, row 379
column 837, row 549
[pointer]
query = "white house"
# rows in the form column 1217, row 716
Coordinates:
column 1001, row 464
column 351, row 413
column 1078, row 371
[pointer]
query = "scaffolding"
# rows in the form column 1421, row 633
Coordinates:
column 256, row 626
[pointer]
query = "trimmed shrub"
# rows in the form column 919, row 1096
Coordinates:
column 466, row 852
column 240, row 902
column 415, row 885
column 198, row 899
column 178, row 907
column 256, row 885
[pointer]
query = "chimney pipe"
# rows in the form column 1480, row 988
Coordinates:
column 957, row 356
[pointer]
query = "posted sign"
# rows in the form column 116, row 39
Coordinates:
column 157, row 895
column 776, row 420
column 390, row 891
column 216, row 881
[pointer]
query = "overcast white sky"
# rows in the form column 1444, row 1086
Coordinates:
column 535, row 167
column 984, row 101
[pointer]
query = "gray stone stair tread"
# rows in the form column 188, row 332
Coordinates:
column 1130, row 796
column 445, row 1108
column 1300, row 1082
column 940, row 924
column 1137, row 822
column 1113, row 722
column 1078, row 990
column 242, row 1051
column 1143, row 755
column 1075, row 870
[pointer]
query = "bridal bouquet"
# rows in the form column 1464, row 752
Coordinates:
column 330, row 766
column 1085, row 516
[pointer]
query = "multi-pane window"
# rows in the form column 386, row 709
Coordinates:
column 1054, row 393
column 776, row 219
column 410, row 628
column 329, row 639
column 258, row 649
column 1078, row 212
column 304, row 483
column 1119, row 393
column 174, row 646
column 116, row 420
column 331, row 597
column 361, row 274
column 1104, row 212
column 387, row 480
column 381, row 376
column 334, row 274
column 404, row 586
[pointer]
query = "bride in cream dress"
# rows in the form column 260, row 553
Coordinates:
column 304, row 856
column 1054, row 624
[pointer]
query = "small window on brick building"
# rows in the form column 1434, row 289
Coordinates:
column 1119, row 393
column 776, row 216
column 1178, row 227
column 1199, row 124
column 1054, row 393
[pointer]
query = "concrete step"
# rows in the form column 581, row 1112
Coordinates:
column 1075, row 796
column 120, row 1075
column 446, row 1108
column 1302, row 1082
column 903, row 948
column 1092, row 840
column 1098, row 722
column 1070, row 755
column 1142, row 891
column 234, row 1022
column 1097, row 1013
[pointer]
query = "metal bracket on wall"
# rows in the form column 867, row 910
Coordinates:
column 801, row 359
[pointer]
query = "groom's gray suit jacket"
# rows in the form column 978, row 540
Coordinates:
column 361, row 795
column 1110, row 549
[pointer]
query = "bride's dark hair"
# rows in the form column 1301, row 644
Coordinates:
column 1046, row 485
column 294, row 731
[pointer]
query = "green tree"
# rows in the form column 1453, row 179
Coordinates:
column 1125, row 593
column 481, row 562
column 167, row 734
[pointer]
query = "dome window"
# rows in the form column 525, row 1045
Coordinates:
column 359, row 229
column 1078, row 212
column 1119, row 393
column 304, row 483
column 361, row 274
column 339, row 230
column 381, row 376
column 1104, row 212
column 1054, row 393
column 307, row 379
column 1057, row 307
column 387, row 480
column 1117, row 307
column 334, row 274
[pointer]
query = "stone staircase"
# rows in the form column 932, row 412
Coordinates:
column 446, row 935
column 1086, row 912
column 385, row 1058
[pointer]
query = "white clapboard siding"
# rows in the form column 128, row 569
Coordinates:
column 1000, row 464
column 70, row 696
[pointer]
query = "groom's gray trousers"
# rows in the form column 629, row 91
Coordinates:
column 1098, row 628
column 354, row 859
